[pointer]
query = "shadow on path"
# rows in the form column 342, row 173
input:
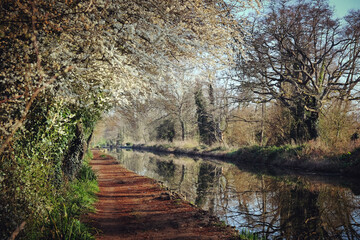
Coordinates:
column 130, row 206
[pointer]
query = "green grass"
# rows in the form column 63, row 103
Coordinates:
column 243, row 234
column 62, row 221
column 247, row 235
column 221, row 224
column 86, row 174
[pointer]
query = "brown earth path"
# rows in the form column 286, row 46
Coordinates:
column 130, row 206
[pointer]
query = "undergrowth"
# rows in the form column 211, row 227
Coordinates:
column 247, row 235
column 62, row 221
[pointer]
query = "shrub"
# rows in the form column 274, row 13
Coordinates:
column 86, row 173
column 247, row 235
column 62, row 221
column 37, row 178
column 166, row 130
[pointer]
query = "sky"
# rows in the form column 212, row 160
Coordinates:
column 343, row 6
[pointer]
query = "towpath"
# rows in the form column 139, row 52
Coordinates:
column 130, row 206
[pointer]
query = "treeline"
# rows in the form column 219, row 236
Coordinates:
column 245, row 124
column 63, row 64
column 195, row 71
column 297, row 83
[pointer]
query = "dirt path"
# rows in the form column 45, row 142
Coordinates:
column 135, row 207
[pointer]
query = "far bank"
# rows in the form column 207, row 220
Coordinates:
column 287, row 156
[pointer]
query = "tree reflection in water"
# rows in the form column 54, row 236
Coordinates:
column 290, row 207
column 165, row 169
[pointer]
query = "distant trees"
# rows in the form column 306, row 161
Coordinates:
column 181, row 113
column 300, row 62
column 166, row 130
column 302, row 57
column 205, row 121
column 63, row 63
column 175, row 100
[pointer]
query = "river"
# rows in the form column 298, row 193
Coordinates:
column 275, row 204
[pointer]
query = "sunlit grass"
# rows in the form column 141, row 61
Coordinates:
column 62, row 221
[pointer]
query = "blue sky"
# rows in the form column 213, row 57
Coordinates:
column 343, row 6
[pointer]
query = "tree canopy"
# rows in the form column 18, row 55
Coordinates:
column 302, row 57
column 95, row 53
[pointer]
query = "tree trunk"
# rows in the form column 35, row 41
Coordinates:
column 305, row 123
column 262, row 124
column 182, row 129
column 73, row 159
column 311, row 123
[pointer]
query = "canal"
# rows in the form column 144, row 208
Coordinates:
column 275, row 204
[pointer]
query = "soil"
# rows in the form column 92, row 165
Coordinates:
column 130, row 206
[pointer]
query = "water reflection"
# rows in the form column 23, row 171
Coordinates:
column 290, row 207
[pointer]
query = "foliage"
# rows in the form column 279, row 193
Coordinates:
column 63, row 220
column 247, row 235
column 269, row 154
column 166, row 130
column 165, row 146
column 35, row 174
column 337, row 126
column 63, row 63
column 96, row 53
column 241, row 131
column 219, row 148
column 205, row 122
column 86, row 173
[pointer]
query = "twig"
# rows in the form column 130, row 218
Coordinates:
column 17, row 231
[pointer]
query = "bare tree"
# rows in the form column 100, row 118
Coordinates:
column 302, row 57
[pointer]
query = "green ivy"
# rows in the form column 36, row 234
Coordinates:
column 33, row 185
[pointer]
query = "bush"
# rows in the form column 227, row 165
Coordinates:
column 247, row 235
column 166, row 130
column 63, row 220
column 37, row 177
column 86, row 173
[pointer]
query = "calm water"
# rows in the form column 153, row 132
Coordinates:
column 275, row 205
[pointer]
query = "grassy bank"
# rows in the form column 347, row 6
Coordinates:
column 308, row 157
column 62, row 219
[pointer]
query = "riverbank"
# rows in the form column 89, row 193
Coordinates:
column 290, row 157
column 130, row 206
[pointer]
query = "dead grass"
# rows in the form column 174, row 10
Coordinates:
column 318, row 149
column 314, row 155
